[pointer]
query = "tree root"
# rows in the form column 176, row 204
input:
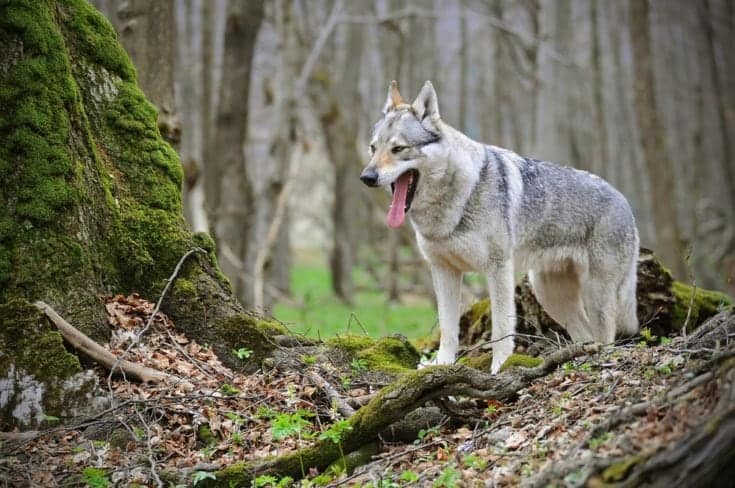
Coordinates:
column 90, row 348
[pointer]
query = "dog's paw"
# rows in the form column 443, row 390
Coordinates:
column 441, row 358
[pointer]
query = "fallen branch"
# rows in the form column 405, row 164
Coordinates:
column 90, row 348
column 333, row 395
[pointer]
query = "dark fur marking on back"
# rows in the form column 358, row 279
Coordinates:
column 465, row 222
column 502, row 185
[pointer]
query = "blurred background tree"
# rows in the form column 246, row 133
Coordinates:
column 276, row 100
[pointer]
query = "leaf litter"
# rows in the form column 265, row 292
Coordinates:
column 216, row 416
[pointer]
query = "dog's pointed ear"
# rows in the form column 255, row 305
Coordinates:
column 425, row 104
column 394, row 97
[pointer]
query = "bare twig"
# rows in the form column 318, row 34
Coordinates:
column 335, row 398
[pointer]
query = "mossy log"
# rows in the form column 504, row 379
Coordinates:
column 665, row 306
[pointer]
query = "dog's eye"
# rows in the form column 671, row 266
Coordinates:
column 397, row 149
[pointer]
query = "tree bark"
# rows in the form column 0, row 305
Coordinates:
column 91, row 200
column 660, row 174
column 335, row 94
column 148, row 33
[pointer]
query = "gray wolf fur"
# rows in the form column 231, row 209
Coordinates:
column 476, row 207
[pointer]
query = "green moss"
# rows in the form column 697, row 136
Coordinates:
column 235, row 475
column 477, row 311
column 250, row 332
column 704, row 304
column 39, row 177
column 521, row 360
column 25, row 331
column 185, row 288
column 620, row 470
column 205, row 241
column 351, row 343
column 481, row 362
column 392, row 354
column 205, row 435
column 94, row 36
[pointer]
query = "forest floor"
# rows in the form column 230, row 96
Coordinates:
column 629, row 399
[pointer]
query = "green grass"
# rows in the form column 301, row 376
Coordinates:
column 321, row 314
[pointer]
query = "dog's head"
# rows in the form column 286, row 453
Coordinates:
column 399, row 144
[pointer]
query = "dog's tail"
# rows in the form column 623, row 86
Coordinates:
column 627, row 316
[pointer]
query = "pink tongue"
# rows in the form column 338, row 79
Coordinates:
column 397, row 212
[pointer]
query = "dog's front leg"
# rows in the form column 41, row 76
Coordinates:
column 502, row 297
column 447, row 283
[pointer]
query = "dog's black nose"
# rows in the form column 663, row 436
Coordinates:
column 370, row 177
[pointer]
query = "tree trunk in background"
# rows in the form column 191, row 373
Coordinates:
column 725, row 114
column 335, row 97
column 210, row 180
column 660, row 173
column 267, row 179
column 148, row 33
column 232, row 200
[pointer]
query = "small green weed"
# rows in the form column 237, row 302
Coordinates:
column 448, row 478
column 243, row 353
column 95, row 477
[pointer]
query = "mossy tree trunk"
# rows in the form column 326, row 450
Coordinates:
column 91, row 198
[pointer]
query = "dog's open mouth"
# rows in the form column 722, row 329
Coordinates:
column 403, row 189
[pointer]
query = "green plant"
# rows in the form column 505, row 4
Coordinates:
column 647, row 335
column 229, row 390
column 242, row 353
column 308, row 359
column 237, row 438
column 448, row 478
column 267, row 480
column 95, row 477
column 322, row 479
column 264, row 412
column 334, row 433
column 664, row 369
column 557, row 409
column 207, row 451
column 346, row 381
column 198, row 476
column 598, row 441
column 235, row 418
column 665, row 341
column 424, row 434
column 409, row 476
column 358, row 365
column 290, row 424
column 491, row 409
column 475, row 462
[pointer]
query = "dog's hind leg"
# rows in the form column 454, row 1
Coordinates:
column 600, row 302
column 560, row 294
column 627, row 313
